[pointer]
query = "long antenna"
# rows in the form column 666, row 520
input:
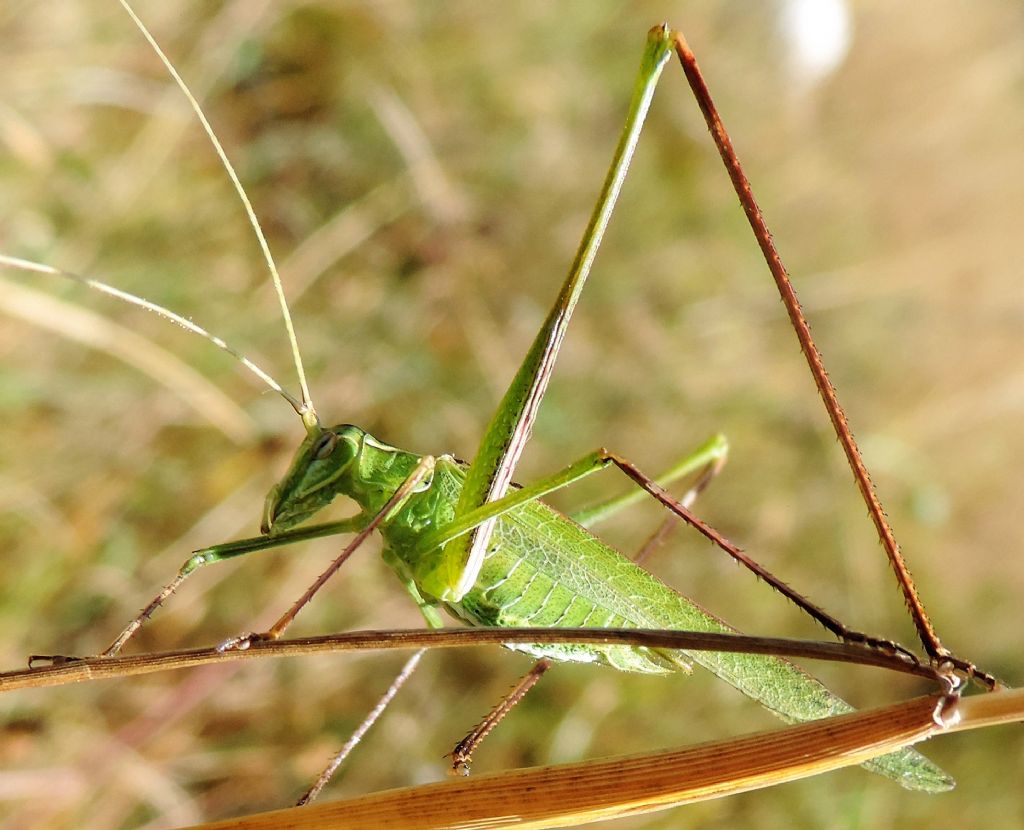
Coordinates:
column 306, row 411
column 160, row 311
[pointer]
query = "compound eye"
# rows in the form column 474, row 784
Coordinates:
column 325, row 445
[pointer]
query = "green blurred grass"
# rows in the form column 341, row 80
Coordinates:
column 894, row 190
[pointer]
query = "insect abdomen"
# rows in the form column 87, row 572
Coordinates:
column 512, row 592
column 544, row 570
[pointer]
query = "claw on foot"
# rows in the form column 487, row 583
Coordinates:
column 946, row 713
column 460, row 764
column 461, row 757
column 950, row 664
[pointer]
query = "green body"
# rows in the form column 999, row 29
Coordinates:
column 462, row 540
column 542, row 569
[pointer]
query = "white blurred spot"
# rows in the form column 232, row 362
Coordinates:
column 817, row 34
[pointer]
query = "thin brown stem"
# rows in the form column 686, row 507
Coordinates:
column 105, row 668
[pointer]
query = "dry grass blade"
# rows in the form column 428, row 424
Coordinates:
column 573, row 794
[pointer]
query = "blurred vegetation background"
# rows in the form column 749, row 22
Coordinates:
column 424, row 172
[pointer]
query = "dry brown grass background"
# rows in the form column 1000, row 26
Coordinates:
column 895, row 190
